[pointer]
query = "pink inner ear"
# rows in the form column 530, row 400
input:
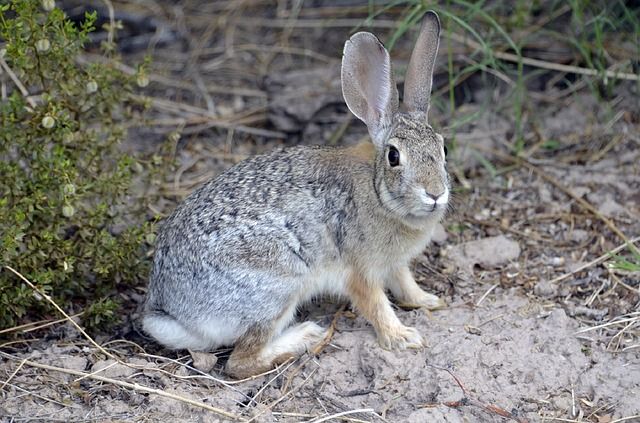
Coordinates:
column 367, row 83
column 375, row 82
column 379, row 83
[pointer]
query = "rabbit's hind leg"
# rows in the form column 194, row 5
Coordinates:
column 259, row 350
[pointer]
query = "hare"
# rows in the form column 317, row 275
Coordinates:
column 237, row 258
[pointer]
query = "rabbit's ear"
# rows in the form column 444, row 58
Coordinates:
column 367, row 82
column 419, row 77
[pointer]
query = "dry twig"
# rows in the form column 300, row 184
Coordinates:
column 17, row 82
column 594, row 262
column 133, row 386
column 469, row 400
column 57, row 307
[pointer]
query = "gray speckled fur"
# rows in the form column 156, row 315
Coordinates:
column 268, row 216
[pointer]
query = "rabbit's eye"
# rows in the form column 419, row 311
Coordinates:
column 393, row 156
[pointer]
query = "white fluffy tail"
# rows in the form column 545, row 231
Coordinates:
column 170, row 333
column 197, row 336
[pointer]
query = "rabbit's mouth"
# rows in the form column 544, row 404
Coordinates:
column 416, row 205
column 426, row 204
column 427, row 211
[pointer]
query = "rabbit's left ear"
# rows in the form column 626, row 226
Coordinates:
column 419, row 77
column 368, row 87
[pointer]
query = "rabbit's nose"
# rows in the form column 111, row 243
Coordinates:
column 431, row 199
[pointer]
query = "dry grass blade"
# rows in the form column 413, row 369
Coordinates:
column 356, row 23
column 612, row 323
column 66, row 316
column 112, row 21
column 596, row 261
column 542, row 64
column 469, row 400
column 332, row 328
column 33, row 326
column 584, row 203
column 283, row 397
column 484, row 296
column 280, row 372
column 343, row 414
column 626, row 419
column 620, row 420
column 617, row 339
column 133, row 386
column 17, row 82
column 42, row 397
column 11, row 376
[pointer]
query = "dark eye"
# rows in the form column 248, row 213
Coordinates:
column 446, row 152
column 393, row 156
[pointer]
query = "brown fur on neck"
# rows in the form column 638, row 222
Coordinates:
column 364, row 151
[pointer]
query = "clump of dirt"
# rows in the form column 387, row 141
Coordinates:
column 509, row 353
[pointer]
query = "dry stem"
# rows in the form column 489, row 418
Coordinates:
column 133, row 386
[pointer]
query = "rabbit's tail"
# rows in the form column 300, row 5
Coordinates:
column 171, row 333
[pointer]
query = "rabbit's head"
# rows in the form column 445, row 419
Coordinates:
column 411, row 180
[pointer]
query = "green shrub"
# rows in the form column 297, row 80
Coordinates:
column 68, row 219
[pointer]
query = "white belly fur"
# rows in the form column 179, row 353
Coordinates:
column 326, row 281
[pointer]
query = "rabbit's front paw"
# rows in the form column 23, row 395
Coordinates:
column 401, row 338
column 423, row 300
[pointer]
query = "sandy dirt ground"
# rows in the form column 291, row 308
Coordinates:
column 538, row 327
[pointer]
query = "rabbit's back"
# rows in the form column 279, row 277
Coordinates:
column 238, row 243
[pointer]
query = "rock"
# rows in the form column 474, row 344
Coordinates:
column 557, row 261
column 487, row 252
column 578, row 235
column 203, row 361
column 545, row 194
column 581, row 191
column 436, row 414
column 73, row 362
column 295, row 97
column 112, row 369
column 608, row 206
column 545, row 289
column 439, row 235
column 484, row 134
column 563, row 403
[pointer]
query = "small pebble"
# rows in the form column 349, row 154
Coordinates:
column 545, row 289
column 439, row 235
column 578, row 235
column 203, row 361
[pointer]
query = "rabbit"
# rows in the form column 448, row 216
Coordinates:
column 237, row 258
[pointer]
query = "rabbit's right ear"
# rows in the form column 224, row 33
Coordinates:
column 367, row 83
column 419, row 77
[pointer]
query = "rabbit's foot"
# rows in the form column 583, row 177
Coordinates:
column 257, row 354
column 401, row 338
column 409, row 295
column 295, row 341
column 423, row 300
